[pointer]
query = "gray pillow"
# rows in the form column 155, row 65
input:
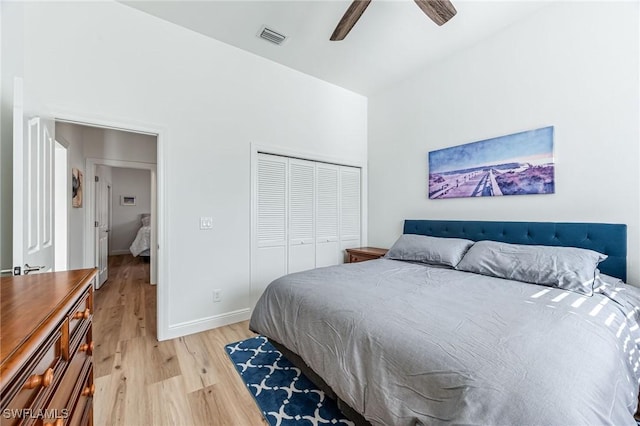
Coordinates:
column 568, row 268
column 432, row 250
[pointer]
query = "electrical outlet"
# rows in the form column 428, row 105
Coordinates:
column 217, row 295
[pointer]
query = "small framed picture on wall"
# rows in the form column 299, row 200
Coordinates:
column 127, row 200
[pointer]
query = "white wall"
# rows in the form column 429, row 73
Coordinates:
column 11, row 64
column 573, row 65
column 210, row 101
column 72, row 136
column 110, row 144
column 126, row 219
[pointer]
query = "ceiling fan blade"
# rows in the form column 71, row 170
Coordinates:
column 351, row 16
column 440, row 11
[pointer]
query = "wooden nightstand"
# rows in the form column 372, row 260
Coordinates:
column 360, row 254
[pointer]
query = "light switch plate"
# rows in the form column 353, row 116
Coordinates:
column 206, row 222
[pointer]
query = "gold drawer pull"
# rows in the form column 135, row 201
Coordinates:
column 88, row 348
column 89, row 390
column 82, row 314
column 36, row 380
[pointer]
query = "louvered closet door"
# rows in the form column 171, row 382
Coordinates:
column 270, row 253
column 327, row 213
column 301, row 215
column 349, row 207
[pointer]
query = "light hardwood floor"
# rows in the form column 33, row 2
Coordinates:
column 140, row 381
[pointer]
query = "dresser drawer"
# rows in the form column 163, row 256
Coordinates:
column 82, row 414
column 27, row 394
column 87, row 414
column 69, row 405
column 82, row 341
column 80, row 314
column 71, row 386
column 353, row 258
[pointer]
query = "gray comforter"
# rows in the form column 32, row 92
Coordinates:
column 407, row 344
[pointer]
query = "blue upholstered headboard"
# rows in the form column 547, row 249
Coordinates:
column 610, row 239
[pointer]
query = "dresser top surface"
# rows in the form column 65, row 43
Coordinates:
column 30, row 301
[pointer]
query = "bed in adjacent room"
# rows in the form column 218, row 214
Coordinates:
column 409, row 339
column 141, row 245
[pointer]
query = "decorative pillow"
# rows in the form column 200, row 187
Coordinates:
column 145, row 218
column 433, row 250
column 568, row 268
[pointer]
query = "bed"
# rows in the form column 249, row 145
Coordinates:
column 402, row 342
column 142, row 243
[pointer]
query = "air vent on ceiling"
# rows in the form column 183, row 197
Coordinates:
column 272, row 36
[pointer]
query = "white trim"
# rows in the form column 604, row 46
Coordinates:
column 253, row 239
column 304, row 155
column 159, row 222
column 107, row 123
column 203, row 324
column 67, row 196
column 364, row 203
column 62, row 141
column 18, row 180
column 65, row 143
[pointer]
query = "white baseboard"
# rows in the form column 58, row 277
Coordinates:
column 207, row 323
column 117, row 252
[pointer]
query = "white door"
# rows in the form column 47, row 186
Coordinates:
column 269, row 257
column 327, row 246
column 33, row 180
column 349, row 208
column 301, row 212
column 102, row 229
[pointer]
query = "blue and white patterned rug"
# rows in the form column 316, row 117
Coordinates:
column 285, row 395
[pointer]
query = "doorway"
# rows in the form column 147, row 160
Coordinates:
column 45, row 121
column 110, row 145
column 94, row 151
column 129, row 199
column 124, row 205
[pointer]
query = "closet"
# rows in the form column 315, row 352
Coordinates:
column 306, row 214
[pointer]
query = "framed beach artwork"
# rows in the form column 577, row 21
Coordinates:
column 516, row 164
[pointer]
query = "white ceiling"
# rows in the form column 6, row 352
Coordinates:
column 392, row 40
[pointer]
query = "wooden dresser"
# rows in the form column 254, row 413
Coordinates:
column 46, row 370
column 360, row 254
